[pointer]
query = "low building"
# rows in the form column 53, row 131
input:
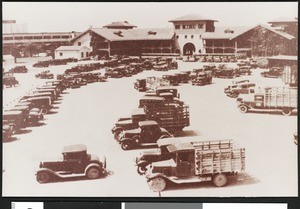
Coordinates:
column 260, row 40
column 78, row 52
column 115, row 40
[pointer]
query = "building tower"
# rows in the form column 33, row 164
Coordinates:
column 189, row 29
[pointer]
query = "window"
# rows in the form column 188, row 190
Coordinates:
column 177, row 37
column 56, row 37
column 87, row 54
column 82, row 54
column 185, row 36
column 192, row 36
column 79, row 43
column 19, row 38
column 47, row 37
column 189, row 26
column 60, row 54
column 28, row 37
column 200, row 26
column 199, row 36
column 65, row 36
column 8, row 38
column 177, row 26
column 38, row 37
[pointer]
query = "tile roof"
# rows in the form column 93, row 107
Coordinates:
column 283, row 19
column 70, row 48
column 135, row 34
column 120, row 24
column 192, row 17
column 239, row 30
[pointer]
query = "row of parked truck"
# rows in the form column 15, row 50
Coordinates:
column 30, row 109
column 47, row 63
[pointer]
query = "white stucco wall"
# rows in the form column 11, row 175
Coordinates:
column 84, row 39
column 72, row 54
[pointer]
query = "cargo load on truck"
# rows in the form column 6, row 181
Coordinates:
column 290, row 75
column 284, row 99
column 153, row 82
column 193, row 162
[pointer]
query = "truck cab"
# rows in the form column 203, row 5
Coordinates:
column 147, row 134
column 137, row 115
column 15, row 119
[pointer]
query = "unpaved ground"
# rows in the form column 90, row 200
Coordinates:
column 86, row 116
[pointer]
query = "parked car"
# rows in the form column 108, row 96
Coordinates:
column 202, row 78
column 76, row 162
column 14, row 119
column 140, row 85
column 19, row 69
column 235, row 90
column 147, row 134
column 9, row 80
column 274, row 72
column 45, row 75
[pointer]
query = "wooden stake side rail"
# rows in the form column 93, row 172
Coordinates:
column 219, row 161
column 281, row 97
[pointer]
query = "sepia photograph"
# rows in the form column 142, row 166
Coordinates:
column 132, row 99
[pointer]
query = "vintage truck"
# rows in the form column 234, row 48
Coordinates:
column 147, row 157
column 76, row 162
column 284, row 99
column 9, row 80
column 16, row 120
column 235, row 90
column 147, row 134
column 202, row 78
column 193, row 162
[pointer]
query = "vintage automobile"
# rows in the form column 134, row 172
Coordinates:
column 45, row 75
column 161, row 66
column 19, row 69
column 14, row 119
column 146, row 134
column 274, row 72
column 244, row 70
column 224, row 73
column 9, row 80
column 173, row 64
column 76, row 162
column 183, row 76
column 42, row 103
column 140, row 85
column 32, row 117
column 7, row 131
column 235, row 90
column 202, row 78
column 172, row 78
column 122, row 124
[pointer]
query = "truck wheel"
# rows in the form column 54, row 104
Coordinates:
column 220, row 180
column 141, row 169
column 286, row 111
column 126, row 145
column 93, row 173
column 234, row 95
column 243, row 109
column 44, row 111
column 43, row 177
column 157, row 184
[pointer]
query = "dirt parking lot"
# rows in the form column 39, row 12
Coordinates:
column 86, row 116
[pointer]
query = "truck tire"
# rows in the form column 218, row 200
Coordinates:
column 126, row 145
column 157, row 184
column 234, row 95
column 93, row 173
column 141, row 169
column 287, row 111
column 220, row 180
column 43, row 177
column 44, row 111
column 243, row 108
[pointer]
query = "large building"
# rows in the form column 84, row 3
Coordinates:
column 115, row 39
column 189, row 30
column 192, row 35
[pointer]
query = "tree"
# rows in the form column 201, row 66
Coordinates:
column 15, row 53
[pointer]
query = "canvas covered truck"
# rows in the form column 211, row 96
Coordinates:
column 270, row 99
column 290, row 75
column 196, row 162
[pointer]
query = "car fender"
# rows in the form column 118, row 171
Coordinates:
column 92, row 165
column 115, row 129
column 142, row 162
column 47, row 170
column 154, row 175
column 125, row 139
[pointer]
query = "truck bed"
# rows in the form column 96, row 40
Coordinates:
column 219, row 161
column 281, row 97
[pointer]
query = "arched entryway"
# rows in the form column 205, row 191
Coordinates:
column 189, row 49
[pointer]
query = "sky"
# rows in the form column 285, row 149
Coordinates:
column 79, row 16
